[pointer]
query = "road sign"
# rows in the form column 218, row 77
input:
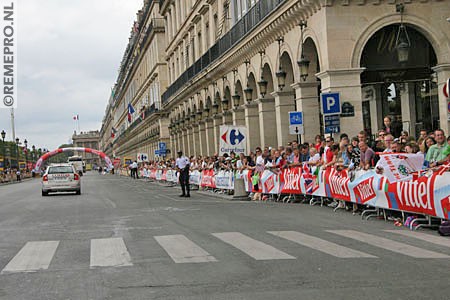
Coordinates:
column 296, row 129
column 446, row 88
column 448, row 110
column 156, row 152
column 141, row 157
column 162, row 146
column 330, row 103
column 332, row 123
column 295, row 118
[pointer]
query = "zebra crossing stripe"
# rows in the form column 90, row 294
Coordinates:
column 109, row 252
column 256, row 249
column 320, row 245
column 438, row 240
column 183, row 250
column 32, row 257
column 388, row 244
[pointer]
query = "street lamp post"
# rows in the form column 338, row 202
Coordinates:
column 17, row 153
column 26, row 153
column 4, row 150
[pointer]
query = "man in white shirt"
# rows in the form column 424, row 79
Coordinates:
column 182, row 164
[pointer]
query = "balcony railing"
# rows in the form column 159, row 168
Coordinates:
column 242, row 28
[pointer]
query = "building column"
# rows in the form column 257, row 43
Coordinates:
column 211, row 32
column 202, row 139
column 443, row 73
column 169, row 25
column 204, row 33
column 267, row 118
column 307, row 101
column 252, row 124
column 190, row 141
column 196, row 140
column 284, row 103
column 217, row 120
column 196, row 52
column 348, row 83
column 209, row 128
column 227, row 118
column 186, row 142
column 239, row 116
column 180, row 140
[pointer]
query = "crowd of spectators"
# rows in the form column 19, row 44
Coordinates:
column 353, row 153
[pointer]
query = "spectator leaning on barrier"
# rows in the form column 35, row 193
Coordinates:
column 318, row 142
column 327, row 153
column 435, row 152
column 367, row 156
column 388, row 139
column 422, row 136
column 304, row 152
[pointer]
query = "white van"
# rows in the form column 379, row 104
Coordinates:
column 77, row 162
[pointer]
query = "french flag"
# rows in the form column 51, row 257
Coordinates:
column 130, row 112
column 113, row 132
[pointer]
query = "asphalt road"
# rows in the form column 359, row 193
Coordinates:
column 127, row 239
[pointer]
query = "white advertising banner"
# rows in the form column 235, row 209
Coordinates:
column 233, row 139
column 400, row 166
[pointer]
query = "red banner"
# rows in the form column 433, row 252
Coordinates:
column 208, row 179
column 290, row 180
column 336, row 184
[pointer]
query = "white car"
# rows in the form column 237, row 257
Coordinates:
column 61, row 178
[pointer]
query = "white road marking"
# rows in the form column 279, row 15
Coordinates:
column 320, row 244
column 182, row 250
column 388, row 244
column 438, row 240
column 109, row 252
column 256, row 249
column 32, row 257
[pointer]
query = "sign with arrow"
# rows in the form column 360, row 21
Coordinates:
column 296, row 129
column 233, row 139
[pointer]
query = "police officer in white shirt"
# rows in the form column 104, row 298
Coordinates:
column 182, row 164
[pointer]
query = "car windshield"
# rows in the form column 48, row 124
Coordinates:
column 60, row 169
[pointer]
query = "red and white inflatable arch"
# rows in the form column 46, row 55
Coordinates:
column 80, row 149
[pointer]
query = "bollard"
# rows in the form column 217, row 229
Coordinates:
column 239, row 190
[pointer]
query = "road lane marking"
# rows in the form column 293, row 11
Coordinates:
column 320, row 245
column 183, row 250
column 438, row 240
column 32, row 257
column 109, row 252
column 389, row 244
column 256, row 249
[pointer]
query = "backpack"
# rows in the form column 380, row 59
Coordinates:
column 444, row 228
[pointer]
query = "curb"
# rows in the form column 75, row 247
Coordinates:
column 15, row 182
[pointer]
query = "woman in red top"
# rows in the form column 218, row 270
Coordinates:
column 318, row 140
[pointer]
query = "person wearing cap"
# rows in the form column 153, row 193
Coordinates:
column 182, row 164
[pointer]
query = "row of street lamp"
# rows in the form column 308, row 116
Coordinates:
column 3, row 134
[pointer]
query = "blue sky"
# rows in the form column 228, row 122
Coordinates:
column 69, row 53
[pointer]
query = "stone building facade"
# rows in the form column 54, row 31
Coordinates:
column 89, row 139
column 142, row 77
column 243, row 62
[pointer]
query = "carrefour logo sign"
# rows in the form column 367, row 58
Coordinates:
column 233, row 139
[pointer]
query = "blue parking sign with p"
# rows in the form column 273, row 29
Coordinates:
column 330, row 103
